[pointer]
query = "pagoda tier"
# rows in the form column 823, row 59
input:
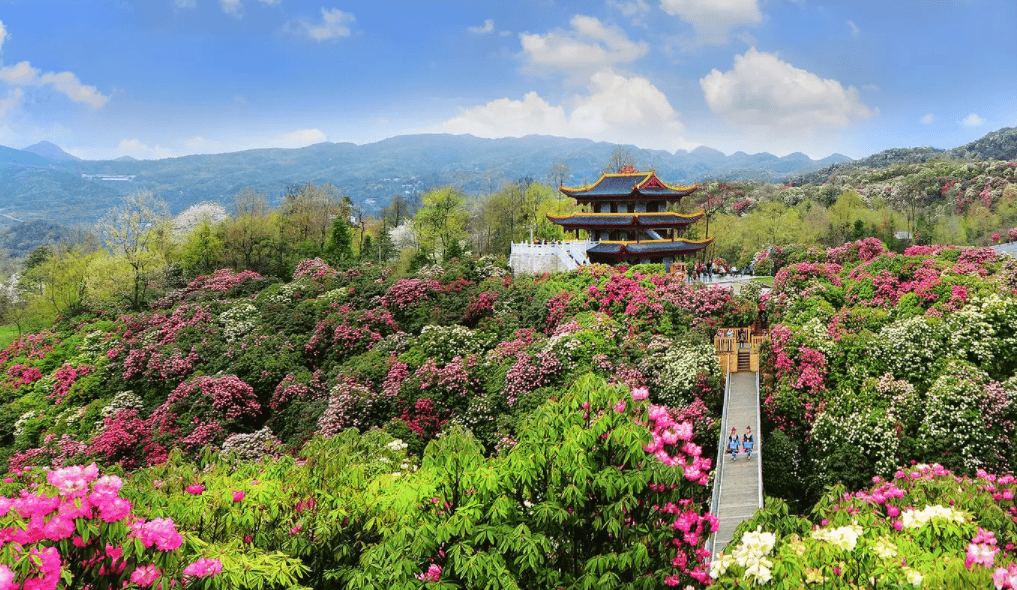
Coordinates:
column 629, row 186
column 611, row 252
column 633, row 221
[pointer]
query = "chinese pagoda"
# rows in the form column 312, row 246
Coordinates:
column 629, row 221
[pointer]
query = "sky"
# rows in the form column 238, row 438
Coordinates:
column 166, row 78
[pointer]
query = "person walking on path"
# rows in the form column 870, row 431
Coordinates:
column 748, row 442
column 733, row 443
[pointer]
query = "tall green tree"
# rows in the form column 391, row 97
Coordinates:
column 130, row 231
column 441, row 221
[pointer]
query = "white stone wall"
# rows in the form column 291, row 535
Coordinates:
column 553, row 257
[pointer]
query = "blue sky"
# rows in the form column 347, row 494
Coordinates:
column 166, row 78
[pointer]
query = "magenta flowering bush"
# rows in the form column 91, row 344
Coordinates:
column 76, row 530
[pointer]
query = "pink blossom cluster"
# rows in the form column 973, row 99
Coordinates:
column 45, row 532
column 481, row 307
column 406, row 293
column 424, row 418
column 314, row 268
column 222, row 280
column 19, row 375
column 861, row 251
column 30, row 346
column 982, row 549
column 1005, row 577
column 433, row 574
column 64, row 378
column 671, row 445
column 203, row 568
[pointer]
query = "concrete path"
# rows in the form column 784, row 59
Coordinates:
column 740, row 481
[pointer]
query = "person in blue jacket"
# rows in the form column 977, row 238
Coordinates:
column 748, row 442
column 733, row 442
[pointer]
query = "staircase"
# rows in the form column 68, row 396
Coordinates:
column 744, row 360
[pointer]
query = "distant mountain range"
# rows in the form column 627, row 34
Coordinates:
column 997, row 145
column 44, row 182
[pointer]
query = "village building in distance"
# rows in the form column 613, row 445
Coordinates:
column 627, row 221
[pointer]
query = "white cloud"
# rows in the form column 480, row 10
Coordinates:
column 589, row 46
column 927, row 119
column 714, row 19
column 235, row 8
column 632, row 8
column 334, row 24
column 135, row 148
column 487, row 27
column 855, row 31
column 23, row 74
column 617, row 108
column 299, row 138
column 11, row 101
column 762, row 91
column 972, row 120
column 3, row 35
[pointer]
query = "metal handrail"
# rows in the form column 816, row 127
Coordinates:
column 719, row 469
column 759, row 442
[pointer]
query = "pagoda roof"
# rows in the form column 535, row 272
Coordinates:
column 648, row 247
column 628, row 184
column 648, row 220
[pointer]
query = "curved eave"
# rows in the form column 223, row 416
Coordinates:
column 621, row 249
column 619, row 220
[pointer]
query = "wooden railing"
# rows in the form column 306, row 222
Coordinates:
column 729, row 342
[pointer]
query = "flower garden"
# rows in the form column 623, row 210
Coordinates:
column 463, row 428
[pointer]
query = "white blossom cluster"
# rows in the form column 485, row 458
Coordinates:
column 953, row 413
column 675, row 372
column 251, row 446
column 985, row 330
column 871, row 430
column 444, row 343
column 913, row 519
column 910, row 346
column 123, row 401
column 751, row 554
column 843, row 537
column 239, row 320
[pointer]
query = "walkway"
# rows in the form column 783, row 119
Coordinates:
column 738, row 490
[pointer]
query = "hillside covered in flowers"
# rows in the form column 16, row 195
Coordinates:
column 460, row 427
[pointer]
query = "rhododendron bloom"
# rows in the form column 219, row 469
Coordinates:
column 145, row 575
column 203, row 568
column 238, row 496
column 433, row 574
column 196, row 489
column 640, row 393
column 6, row 578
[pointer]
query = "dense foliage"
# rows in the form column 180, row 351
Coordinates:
column 492, row 409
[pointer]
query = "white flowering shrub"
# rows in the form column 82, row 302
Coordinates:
column 675, row 374
column 954, row 424
column 985, row 332
column 909, row 347
column 870, row 431
column 251, row 446
column 121, row 402
column 239, row 320
column 444, row 343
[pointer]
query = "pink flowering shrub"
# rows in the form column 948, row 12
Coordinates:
column 223, row 280
column 44, row 543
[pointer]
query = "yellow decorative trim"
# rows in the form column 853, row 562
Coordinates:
column 700, row 213
column 680, row 240
column 653, row 174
